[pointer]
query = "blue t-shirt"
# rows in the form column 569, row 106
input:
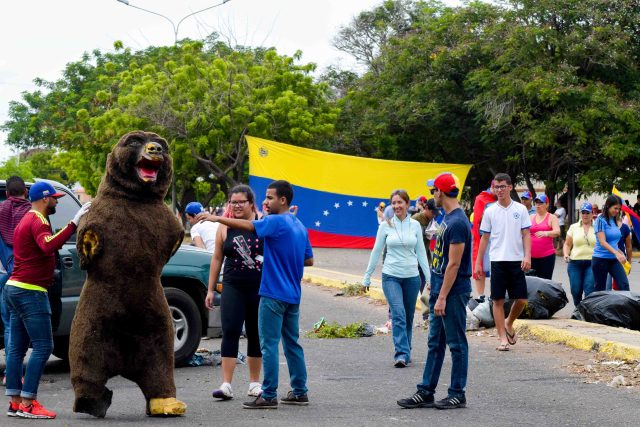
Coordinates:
column 286, row 246
column 454, row 228
column 624, row 232
column 612, row 235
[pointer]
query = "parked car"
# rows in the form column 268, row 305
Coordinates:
column 184, row 279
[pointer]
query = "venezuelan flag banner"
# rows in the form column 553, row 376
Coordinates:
column 635, row 219
column 337, row 194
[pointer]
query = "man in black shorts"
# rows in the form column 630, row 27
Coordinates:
column 507, row 224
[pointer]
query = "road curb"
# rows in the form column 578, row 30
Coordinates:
column 550, row 334
column 374, row 293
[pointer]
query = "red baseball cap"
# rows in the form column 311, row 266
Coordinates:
column 448, row 183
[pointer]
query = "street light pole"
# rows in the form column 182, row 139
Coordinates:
column 176, row 28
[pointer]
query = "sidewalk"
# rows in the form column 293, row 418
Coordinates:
column 617, row 343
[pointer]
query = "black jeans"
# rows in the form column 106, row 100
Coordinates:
column 544, row 266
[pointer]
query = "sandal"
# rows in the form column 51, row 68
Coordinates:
column 511, row 338
column 503, row 347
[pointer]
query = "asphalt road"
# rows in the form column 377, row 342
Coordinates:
column 355, row 261
column 352, row 383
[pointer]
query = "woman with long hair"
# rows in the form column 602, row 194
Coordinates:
column 402, row 237
column 241, row 252
column 578, row 251
column 607, row 257
column 544, row 228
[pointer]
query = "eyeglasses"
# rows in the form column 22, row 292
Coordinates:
column 433, row 190
column 238, row 202
column 499, row 187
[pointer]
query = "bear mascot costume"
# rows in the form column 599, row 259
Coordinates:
column 122, row 325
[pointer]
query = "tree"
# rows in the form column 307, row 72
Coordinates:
column 202, row 97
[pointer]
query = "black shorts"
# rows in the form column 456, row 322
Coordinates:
column 507, row 276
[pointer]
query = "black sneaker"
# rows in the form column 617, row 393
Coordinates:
column 400, row 363
column 260, row 403
column 451, row 402
column 420, row 399
column 292, row 399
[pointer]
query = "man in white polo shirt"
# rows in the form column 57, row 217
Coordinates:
column 507, row 224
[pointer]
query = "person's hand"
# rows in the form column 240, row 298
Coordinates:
column 366, row 283
column 478, row 271
column 526, row 264
column 208, row 301
column 293, row 209
column 439, row 308
column 83, row 210
column 621, row 258
column 204, row 216
column 567, row 259
column 540, row 234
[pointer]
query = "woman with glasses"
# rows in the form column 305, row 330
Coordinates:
column 241, row 252
column 578, row 251
column 544, row 228
column 402, row 237
column 607, row 257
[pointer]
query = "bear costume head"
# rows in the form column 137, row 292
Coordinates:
column 139, row 167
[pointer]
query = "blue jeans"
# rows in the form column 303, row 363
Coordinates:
column 603, row 266
column 4, row 311
column 30, row 322
column 401, row 295
column 580, row 279
column 448, row 330
column 278, row 319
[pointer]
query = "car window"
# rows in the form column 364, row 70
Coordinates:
column 65, row 211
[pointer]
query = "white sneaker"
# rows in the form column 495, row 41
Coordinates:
column 255, row 389
column 225, row 392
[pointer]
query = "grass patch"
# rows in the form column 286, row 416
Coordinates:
column 335, row 330
column 354, row 290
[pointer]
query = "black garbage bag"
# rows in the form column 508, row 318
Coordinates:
column 613, row 308
column 546, row 298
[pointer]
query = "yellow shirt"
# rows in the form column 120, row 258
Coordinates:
column 582, row 244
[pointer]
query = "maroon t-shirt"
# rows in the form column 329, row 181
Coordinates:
column 34, row 249
column 11, row 212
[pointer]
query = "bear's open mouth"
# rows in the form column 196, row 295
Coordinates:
column 148, row 168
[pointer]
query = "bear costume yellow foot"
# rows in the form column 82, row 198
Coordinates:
column 167, row 407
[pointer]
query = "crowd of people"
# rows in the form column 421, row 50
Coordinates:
column 430, row 248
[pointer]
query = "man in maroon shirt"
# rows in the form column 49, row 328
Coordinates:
column 11, row 212
column 34, row 248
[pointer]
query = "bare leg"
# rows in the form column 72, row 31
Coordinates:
column 516, row 309
column 498, row 317
column 255, row 364
column 228, row 366
column 480, row 284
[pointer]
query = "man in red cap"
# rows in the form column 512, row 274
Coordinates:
column 34, row 248
column 506, row 223
column 450, row 292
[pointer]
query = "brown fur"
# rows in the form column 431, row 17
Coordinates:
column 122, row 325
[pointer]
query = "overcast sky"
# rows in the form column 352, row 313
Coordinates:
column 39, row 37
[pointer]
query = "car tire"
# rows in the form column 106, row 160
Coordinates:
column 186, row 322
column 61, row 347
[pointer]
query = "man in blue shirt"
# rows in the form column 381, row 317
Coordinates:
column 286, row 251
column 450, row 292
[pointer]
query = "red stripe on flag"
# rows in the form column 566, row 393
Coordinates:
column 319, row 239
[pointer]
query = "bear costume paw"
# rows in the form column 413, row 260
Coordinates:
column 167, row 407
column 96, row 407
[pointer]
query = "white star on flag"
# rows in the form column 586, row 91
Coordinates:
column 317, row 223
column 336, row 205
column 325, row 213
column 364, row 204
column 349, row 203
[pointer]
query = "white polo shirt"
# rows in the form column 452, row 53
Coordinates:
column 505, row 226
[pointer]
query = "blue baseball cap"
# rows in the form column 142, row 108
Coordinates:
column 193, row 208
column 42, row 189
column 542, row 198
column 526, row 195
column 586, row 207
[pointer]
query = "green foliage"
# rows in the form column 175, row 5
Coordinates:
column 202, row 97
column 354, row 290
column 335, row 330
column 37, row 163
column 13, row 166
column 536, row 88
